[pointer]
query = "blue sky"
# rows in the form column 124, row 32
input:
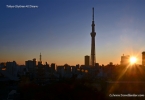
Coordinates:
column 60, row 30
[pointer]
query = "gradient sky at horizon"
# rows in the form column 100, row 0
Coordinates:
column 60, row 30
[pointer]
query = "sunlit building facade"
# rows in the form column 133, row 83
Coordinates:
column 143, row 58
column 125, row 60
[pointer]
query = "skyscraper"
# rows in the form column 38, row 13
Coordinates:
column 93, row 34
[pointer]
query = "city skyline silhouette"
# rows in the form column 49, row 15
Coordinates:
column 61, row 31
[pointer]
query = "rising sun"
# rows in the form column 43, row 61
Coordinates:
column 133, row 60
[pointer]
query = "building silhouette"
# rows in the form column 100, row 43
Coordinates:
column 87, row 60
column 30, row 64
column 53, row 67
column 143, row 58
column 93, row 34
column 11, row 68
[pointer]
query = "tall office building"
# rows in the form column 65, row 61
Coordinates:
column 143, row 58
column 93, row 34
column 87, row 60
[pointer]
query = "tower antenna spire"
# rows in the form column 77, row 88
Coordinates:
column 93, row 13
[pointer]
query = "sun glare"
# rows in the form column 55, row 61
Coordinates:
column 133, row 60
